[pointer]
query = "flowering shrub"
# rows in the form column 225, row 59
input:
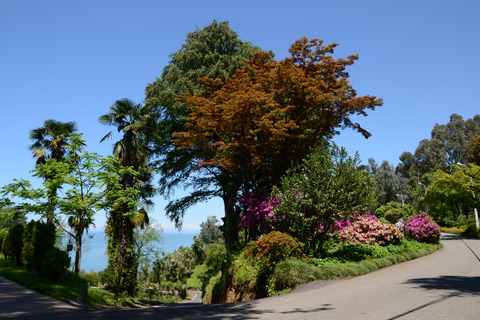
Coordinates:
column 340, row 225
column 258, row 209
column 422, row 228
column 367, row 230
column 272, row 248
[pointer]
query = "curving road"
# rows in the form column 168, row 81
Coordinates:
column 443, row 285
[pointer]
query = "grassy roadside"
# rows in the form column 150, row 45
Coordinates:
column 292, row 274
column 68, row 288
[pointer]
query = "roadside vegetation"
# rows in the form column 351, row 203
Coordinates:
column 225, row 119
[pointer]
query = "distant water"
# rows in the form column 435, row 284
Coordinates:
column 94, row 257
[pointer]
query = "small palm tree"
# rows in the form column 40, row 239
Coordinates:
column 50, row 140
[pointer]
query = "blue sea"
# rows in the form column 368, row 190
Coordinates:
column 94, row 257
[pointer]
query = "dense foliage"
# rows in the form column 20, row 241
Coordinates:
column 326, row 188
column 272, row 248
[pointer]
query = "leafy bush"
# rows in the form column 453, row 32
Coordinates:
column 369, row 231
column 357, row 252
column 293, row 272
column 44, row 240
column 16, row 246
column 7, row 247
column 215, row 253
column 393, row 211
column 28, row 242
column 244, row 273
column 55, row 263
column 471, row 231
column 273, row 248
column 422, row 228
column 92, row 278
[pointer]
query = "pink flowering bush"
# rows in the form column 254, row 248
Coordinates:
column 368, row 231
column 422, row 228
column 340, row 225
column 272, row 248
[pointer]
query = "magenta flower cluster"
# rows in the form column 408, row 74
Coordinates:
column 422, row 228
column 258, row 209
column 367, row 230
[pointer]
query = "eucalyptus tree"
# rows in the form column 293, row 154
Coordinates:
column 390, row 184
column 134, row 122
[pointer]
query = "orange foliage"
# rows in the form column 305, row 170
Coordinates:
column 270, row 113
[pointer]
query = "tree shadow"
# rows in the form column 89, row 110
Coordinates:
column 239, row 310
column 465, row 285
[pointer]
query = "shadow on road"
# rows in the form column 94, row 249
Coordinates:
column 466, row 285
column 242, row 310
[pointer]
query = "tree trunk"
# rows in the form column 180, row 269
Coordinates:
column 230, row 227
column 78, row 251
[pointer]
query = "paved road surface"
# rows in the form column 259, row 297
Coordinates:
column 443, row 285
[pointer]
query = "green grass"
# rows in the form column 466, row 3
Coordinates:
column 68, row 288
column 195, row 280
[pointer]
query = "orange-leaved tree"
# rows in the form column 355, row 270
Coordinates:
column 270, row 113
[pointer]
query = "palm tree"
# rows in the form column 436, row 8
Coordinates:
column 49, row 142
column 135, row 122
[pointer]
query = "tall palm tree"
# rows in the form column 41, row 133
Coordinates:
column 49, row 142
column 134, row 121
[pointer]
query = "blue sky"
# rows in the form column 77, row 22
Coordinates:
column 69, row 61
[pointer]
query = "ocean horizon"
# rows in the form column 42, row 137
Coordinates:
column 95, row 259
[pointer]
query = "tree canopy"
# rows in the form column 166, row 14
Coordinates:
column 270, row 113
column 214, row 51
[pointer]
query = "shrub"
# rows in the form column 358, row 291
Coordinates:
column 215, row 253
column 7, row 247
column 471, row 231
column 44, row 240
column 369, row 231
column 356, row 252
column 393, row 211
column 28, row 240
column 244, row 274
column 273, row 248
column 292, row 272
column 422, row 228
column 55, row 263
column 16, row 246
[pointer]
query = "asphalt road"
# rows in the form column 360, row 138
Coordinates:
column 443, row 285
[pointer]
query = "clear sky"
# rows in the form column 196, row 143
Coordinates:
column 70, row 60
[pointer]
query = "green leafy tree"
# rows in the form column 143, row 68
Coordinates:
column 452, row 195
column 147, row 243
column 79, row 178
column 325, row 188
column 215, row 52
column 49, row 142
column 210, row 230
